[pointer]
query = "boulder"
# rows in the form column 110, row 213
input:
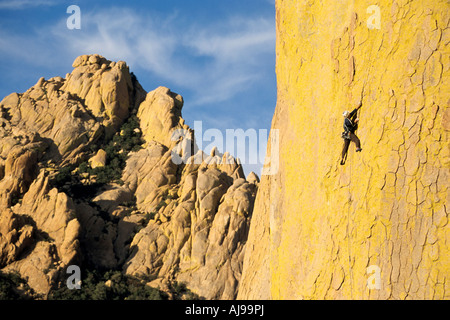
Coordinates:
column 99, row 160
column 160, row 116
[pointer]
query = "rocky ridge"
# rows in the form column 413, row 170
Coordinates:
column 150, row 216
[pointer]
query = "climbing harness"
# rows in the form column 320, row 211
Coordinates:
column 345, row 135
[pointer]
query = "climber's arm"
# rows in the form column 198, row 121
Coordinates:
column 353, row 114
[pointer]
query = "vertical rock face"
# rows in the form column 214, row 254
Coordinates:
column 318, row 226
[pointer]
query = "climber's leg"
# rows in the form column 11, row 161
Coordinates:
column 344, row 150
column 356, row 141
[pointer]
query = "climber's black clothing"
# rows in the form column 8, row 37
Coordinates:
column 349, row 125
column 355, row 140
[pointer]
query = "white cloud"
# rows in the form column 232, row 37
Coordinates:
column 25, row 48
column 215, row 61
column 25, row 4
column 234, row 49
column 248, row 37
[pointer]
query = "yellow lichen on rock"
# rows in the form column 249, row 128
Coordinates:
column 317, row 226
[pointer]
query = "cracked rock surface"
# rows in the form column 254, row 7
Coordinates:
column 317, row 226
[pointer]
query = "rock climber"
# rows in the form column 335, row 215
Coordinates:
column 350, row 126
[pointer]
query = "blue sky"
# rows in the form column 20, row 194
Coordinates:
column 219, row 55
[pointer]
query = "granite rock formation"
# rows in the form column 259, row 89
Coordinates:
column 95, row 171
